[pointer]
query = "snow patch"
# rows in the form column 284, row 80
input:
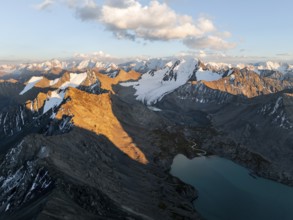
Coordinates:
column 75, row 80
column 154, row 109
column 7, row 207
column 277, row 105
column 31, row 83
column 54, row 100
column 44, row 152
column 53, row 82
column 136, row 213
column 128, row 84
column 230, row 72
column 86, row 64
column 207, row 75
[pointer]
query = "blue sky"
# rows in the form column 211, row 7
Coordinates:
column 214, row 30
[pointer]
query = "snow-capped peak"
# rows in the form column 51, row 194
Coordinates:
column 276, row 66
column 143, row 66
column 154, row 85
column 86, row 64
column 219, row 66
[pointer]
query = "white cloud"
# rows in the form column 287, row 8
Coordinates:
column 223, row 57
column 153, row 22
column 202, row 54
column 206, row 25
column 210, row 42
column 93, row 55
column 44, row 5
column 71, row 3
column 120, row 3
column 99, row 56
column 284, row 54
column 105, row 57
column 129, row 19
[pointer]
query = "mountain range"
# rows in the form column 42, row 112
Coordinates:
column 86, row 139
column 140, row 65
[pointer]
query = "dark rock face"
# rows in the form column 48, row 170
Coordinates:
column 199, row 92
column 92, row 84
column 171, row 74
column 13, row 120
column 22, row 179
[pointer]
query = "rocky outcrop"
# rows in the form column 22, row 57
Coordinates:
column 248, row 83
column 199, row 92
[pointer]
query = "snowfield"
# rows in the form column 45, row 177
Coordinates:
column 31, row 83
column 207, row 75
column 53, row 82
column 75, row 80
column 152, row 88
column 54, row 100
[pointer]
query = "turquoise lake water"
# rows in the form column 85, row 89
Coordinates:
column 227, row 191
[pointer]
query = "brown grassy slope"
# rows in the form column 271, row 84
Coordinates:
column 43, row 83
column 107, row 82
column 56, row 71
column 37, row 103
column 9, row 80
column 94, row 113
